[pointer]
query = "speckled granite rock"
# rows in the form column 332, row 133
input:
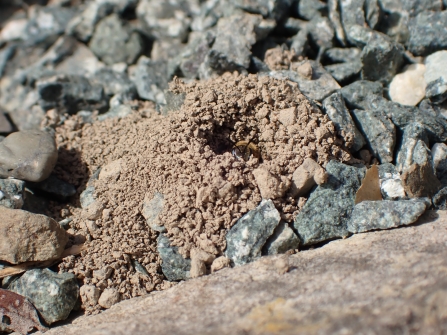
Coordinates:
column 249, row 234
column 282, row 240
column 382, row 282
column 370, row 215
column 54, row 295
column 328, row 209
column 174, row 266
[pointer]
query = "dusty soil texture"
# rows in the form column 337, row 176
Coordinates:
column 189, row 157
column 384, row 282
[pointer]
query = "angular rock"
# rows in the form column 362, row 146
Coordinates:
column 436, row 76
column 119, row 111
column 87, row 197
column 308, row 9
column 391, row 182
column 165, row 19
column 385, row 214
column 321, row 32
column 54, row 295
column 174, row 266
column 28, row 155
column 414, row 147
column 275, row 9
column 334, row 16
column 82, row 62
column 328, row 209
column 342, row 55
column 306, row 176
column 427, row 33
column 420, row 181
column 47, row 23
column 335, row 108
column 12, row 192
column 54, row 187
column 381, row 58
column 358, row 92
column 235, row 36
column 270, row 186
column 408, row 87
column 173, row 102
column 300, row 42
column 114, row 82
column 114, row 41
column 250, row 233
column 150, row 79
column 344, row 72
column 379, row 132
column 29, row 237
column 70, row 94
column 282, row 240
column 109, row 297
column 318, row 87
column 152, row 209
column 440, row 199
column 439, row 159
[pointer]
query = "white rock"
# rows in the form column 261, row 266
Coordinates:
column 391, row 186
column 436, row 65
column 439, row 154
column 408, row 87
column 13, row 30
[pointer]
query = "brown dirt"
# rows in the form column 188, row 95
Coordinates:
column 187, row 156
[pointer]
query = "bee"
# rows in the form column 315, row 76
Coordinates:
column 245, row 149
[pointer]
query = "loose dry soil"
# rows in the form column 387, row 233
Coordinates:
column 188, row 156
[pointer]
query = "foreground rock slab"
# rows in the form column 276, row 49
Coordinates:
column 368, row 283
column 29, row 237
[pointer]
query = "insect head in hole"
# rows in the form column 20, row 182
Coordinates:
column 245, row 149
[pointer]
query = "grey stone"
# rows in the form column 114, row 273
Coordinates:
column 320, row 86
column 428, row 33
column 152, row 209
column 47, row 23
column 119, row 111
column 334, row 16
column 174, row 266
column 359, row 13
column 381, row 58
column 344, row 72
column 300, row 43
column 373, row 13
column 12, row 192
column 258, row 65
column 150, row 79
column 275, row 9
column 70, row 94
column 114, row 82
column 342, row 55
column 188, row 61
column 414, row 147
column 249, row 234
column 391, row 182
column 29, row 237
column 385, row 214
column 28, row 155
column 235, row 36
column 140, row 268
column 440, row 199
column 165, row 19
column 436, row 77
column 359, row 35
column 87, row 196
column 439, row 157
column 5, row 55
column 379, row 132
column 114, row 41
column 282, row 240
column 54, row 295
column 173, row 102
column 335, row 108
column 328, row 209
column 308, row 9
column 54, row 187
column 82, row 62
column 358, row 92
column 321, row 33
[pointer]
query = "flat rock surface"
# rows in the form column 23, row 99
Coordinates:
column 384, row 282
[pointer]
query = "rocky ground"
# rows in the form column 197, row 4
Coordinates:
column 146, row 143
